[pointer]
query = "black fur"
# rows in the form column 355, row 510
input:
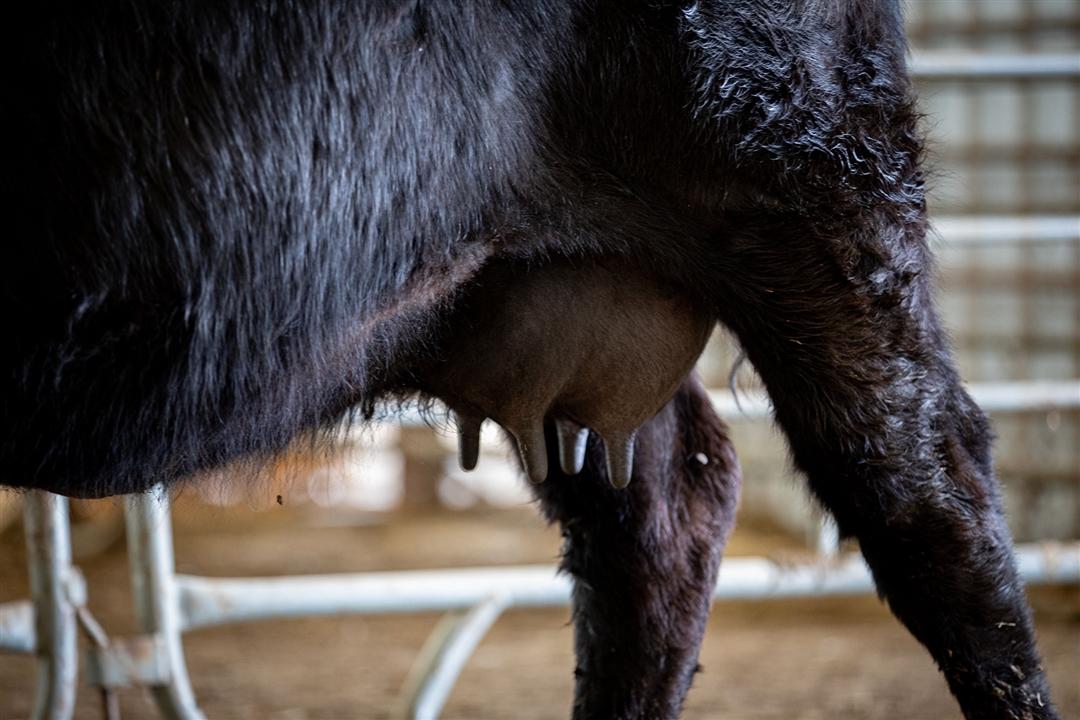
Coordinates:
column 235, row 221
column 644, row 559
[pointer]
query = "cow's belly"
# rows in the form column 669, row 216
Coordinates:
column 588, row 344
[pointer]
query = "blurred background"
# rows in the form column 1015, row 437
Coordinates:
column 1005, row 162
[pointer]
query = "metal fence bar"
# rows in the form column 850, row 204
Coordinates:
column 150, row 555
column 999, row 229
column 190, row 602
column 993, row 397
column 215, row 601
column 1027, row 396
column 48, row 550
column 17, row 627
column 445, row 655
column 994, row 66
column 996, row 397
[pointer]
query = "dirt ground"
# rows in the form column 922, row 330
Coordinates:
column 794, row 659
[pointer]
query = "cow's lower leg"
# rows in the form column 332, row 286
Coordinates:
column 843, row 332
column 644, row 559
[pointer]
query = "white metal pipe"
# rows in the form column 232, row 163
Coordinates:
column 999, row 397
column 998, row 229
column 213, row 601
column 48, row 552
column 995, row 397
column 1049, row 563
column 994, row 66
column 445, row 655
column 827, row 537
column 150, row 555
column 1027, row 396
column 17, row 627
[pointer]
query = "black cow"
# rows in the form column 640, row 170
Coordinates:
column 236, row 221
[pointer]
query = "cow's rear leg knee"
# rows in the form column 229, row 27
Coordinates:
column 861, row 382
column 644, row 559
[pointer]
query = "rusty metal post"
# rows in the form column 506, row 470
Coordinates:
column 48, row 550
column 153, row 583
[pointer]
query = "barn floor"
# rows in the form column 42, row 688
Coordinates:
column 799, row 659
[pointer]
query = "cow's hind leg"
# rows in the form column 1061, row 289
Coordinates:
column 644, row 559
column 839, row 323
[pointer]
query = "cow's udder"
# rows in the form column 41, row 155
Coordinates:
column 591, row 345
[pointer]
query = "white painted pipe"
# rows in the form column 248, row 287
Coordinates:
column 17, row 627
column 48, row 552
column 994, row 397
column 994, row 66
column 150, row 556
column 445, row 655
column 999, row 397
column 214, row 601
column 1027, row 396
column 1000, row 229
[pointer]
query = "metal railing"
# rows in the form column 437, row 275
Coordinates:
column 986, row 66
column 167, row 605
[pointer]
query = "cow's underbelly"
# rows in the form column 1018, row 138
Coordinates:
column 588, row 344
